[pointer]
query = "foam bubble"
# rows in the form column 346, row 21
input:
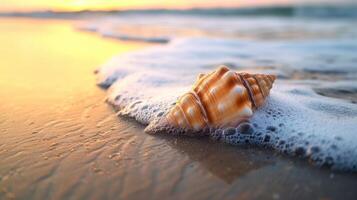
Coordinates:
column 289, row 124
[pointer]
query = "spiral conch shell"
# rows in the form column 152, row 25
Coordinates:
column 220, row 99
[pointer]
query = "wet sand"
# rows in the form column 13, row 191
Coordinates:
column 60, row 140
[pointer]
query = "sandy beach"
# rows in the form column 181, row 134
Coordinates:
column 60, row 140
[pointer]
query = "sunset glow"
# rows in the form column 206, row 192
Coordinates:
column 72, row 5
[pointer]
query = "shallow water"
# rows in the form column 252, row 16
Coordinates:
column 59, row 140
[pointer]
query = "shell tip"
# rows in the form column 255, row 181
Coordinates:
column 272, row 77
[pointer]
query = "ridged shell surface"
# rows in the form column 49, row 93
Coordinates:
column 219, row 99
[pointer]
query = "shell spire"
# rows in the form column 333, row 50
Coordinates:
column 219, row 99
column 258, row 86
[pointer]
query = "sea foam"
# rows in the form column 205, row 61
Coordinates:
column 295, row 120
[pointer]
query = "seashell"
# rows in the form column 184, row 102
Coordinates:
column 219, row 99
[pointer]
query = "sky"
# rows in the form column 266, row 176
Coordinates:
column 72, row 5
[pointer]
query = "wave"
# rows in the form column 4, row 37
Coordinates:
column 128, row 37
column 282, row 11
column 159, row 29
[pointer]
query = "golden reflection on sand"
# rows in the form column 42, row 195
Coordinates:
column 48, row 58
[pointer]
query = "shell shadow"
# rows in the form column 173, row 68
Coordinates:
column 224, row 161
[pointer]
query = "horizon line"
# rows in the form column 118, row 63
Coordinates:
column 173, row 9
